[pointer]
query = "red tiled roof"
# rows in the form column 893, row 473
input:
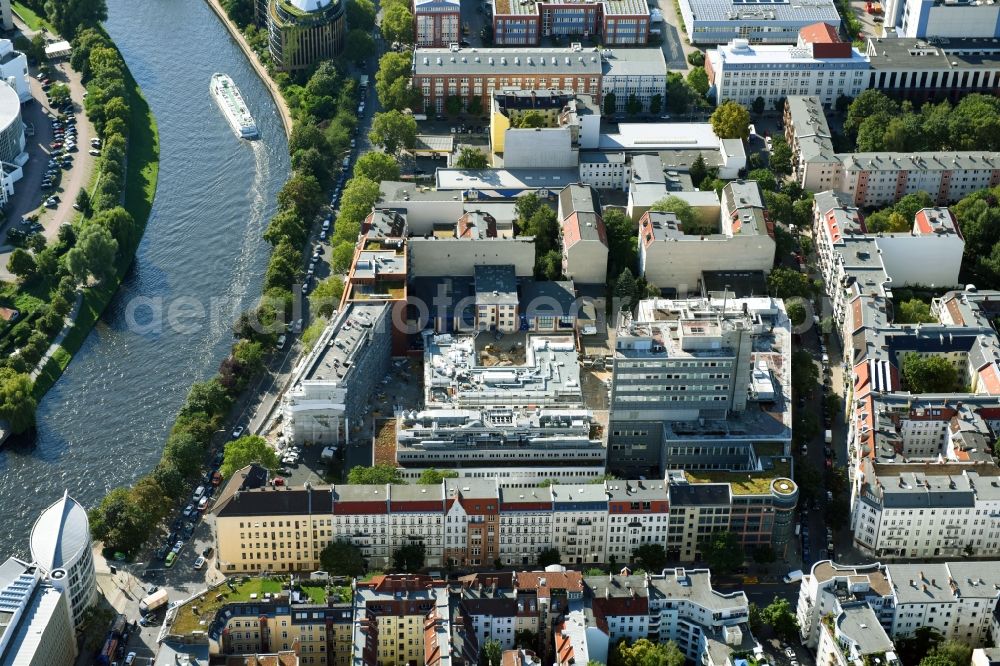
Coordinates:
column 819, row 33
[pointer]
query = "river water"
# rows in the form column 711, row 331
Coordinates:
column 200, row 262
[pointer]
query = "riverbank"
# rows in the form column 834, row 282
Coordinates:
column 141, row 175
column 272, row 88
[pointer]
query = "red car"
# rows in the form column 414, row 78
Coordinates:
column 55, row 144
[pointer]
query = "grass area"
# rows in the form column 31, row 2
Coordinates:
column 30, row 18
column 316, row 593
column 140, row 189
column 51, row 372
column 744, row 483
column 209, row 603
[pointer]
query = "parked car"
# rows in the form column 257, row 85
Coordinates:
column 208, row 552
column 237, row 432
column 95, row 152
column 171, row 559
column 199, row 563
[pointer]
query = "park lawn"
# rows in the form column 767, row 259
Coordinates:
column 30, row 18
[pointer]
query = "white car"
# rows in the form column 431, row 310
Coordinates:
column 199, row 563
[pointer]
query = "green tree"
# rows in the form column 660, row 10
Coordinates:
column 361, row 14
column 805, row 374
column 185, row 452
column 397, row 24
column 929, row 374
column 696, row 58
column 118, row 522
column 758, row 105
column 656, row 104
column 781, row 156
column 376, row 474
column 869, row 104
column 341, row 558
column 764, row 178
column 303, row 194
column 471, row 158
column 67, row 16
column 393, row 131
column 913, row 648
column 286, row 225
column 284, row 266
column 377, row 167
column 341, row 257
column 17, row 401
column 914, row 311
column 948, row 653
column 150, row 499
column 530, row 120
column 610, row 104
column 626, row 290
column 83, row 202
column 409, row 558
column 526, row 206
column 22, row 264
column 548, row 557
column 723, row 552
column 697, row 78
column 796, row 313
column 623, row 253
column 357, row 199
column 651, row 556
column 240, row 11
column 491, row 653
column 698, row 170
column 325, row 298
column 779, row 615
column 453, row 105
column 633, row 106
column 392, row 80
column 679, row 93
column 691, row 223
column 208, row 397
column 246, row 450
column 731, row 120
column 645, row 652
column 433, row 477
column 788, row 283
column 359, row 44
column 93, row 254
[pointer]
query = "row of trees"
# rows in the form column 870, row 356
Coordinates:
column 83, row 255
column 322, row 108
column 877, row 122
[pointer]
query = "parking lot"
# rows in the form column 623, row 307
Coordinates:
column 29, row 194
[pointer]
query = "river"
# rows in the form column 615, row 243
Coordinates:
column 104, row 422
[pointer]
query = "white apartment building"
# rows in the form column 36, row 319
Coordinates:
column 814, row 162
column 677, row 605
column 854, row 636
column 526, row 525
column 880, row 179
column 584, row 238
column 638, row 72
column 929, row 19
column 929, row 254
column 605, row 171
column 926, row 510
column 580, row 523
column 638, row 514
column 671, row 258
column 958, row 599
column 819, row 65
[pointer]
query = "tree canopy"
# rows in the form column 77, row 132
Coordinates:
column 341, row 558
column 393, row 131
column 929, row 374
column 691, row 223
column 433, row 477
column 723, row 552
column 781, row 617
column 731, row 120
column 645, row 652
column 247, row 449
column 409, row 558
column 377, row 167
column 376, row 474
column 471, row 158
column 17, row 402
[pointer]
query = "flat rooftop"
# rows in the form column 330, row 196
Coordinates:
column 500, row 179
column 346, row 335
column 634, row 62
column 754, row 56
column 467, row 370
column 795, row 12
column 661, row 136
column 510, row 61
column 531, row 7
column 929, row 54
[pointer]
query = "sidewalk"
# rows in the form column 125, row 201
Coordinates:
column 57, row 341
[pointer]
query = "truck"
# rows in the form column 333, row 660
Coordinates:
column 153, row 601
column 363, row 82
column 828, row 437
column 793, row 576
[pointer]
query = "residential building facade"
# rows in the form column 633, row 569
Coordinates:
column 437, row 23
column 617, row 22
